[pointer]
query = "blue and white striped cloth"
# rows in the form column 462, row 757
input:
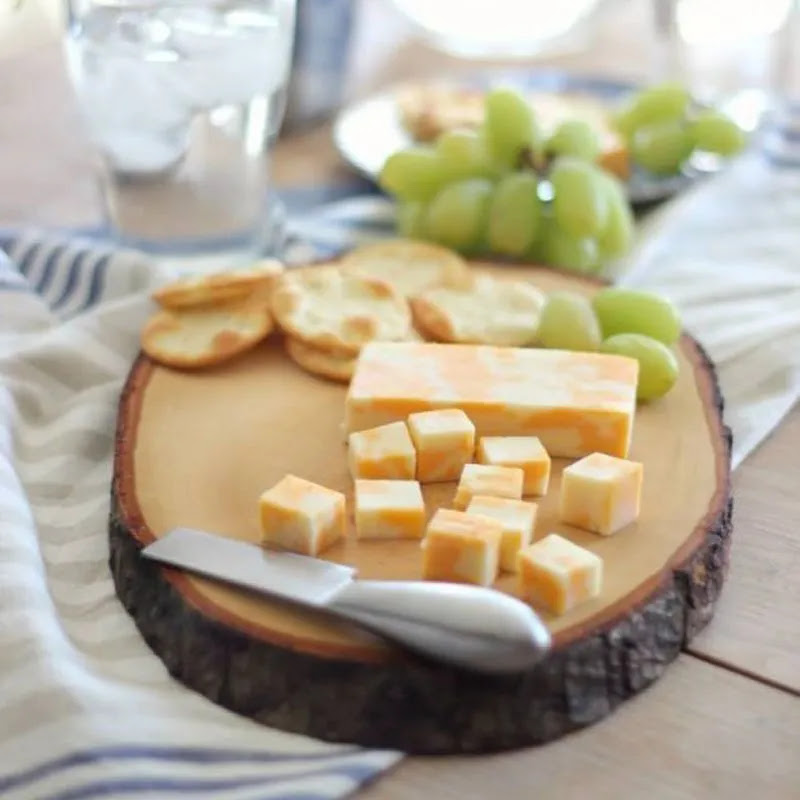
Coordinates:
column 86, row 710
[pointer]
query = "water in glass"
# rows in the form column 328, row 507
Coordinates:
column 182, row 100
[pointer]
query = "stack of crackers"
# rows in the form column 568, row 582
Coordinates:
column 206, row 320
column 398, row 290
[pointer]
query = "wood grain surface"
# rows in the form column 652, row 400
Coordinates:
column 700, row 733
column 197, row 448
column 294, row 427
column 756, row 629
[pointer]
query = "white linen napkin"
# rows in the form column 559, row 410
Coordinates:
column 86, row 709
column 728, row 254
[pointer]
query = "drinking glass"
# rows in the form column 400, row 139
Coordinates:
column 728, row 53
column 782, row 129
column 182, row 100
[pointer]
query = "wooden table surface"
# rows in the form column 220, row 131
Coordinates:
column 724, row 721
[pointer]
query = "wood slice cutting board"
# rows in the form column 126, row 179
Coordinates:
column 197, row 449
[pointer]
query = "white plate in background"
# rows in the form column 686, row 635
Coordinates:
column 368, row 132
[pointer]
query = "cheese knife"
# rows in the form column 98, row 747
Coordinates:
column 471, row 627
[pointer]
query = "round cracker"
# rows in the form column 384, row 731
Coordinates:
column 339, row 311
column 410, row 266
column 320, row 362
column 202, row 337
column 489, row 311
column 219, row 287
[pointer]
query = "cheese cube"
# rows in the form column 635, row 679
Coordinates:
column 383, row 452
column 557, row 575
column 445, row 441
column 301, row 516
column 517, row 518
column 600, row 493
column 461, row 548
column 576, row 403
column 389, row 510
column 488, row 480
column 525, row 452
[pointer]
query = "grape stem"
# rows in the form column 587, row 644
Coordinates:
column 535, row 161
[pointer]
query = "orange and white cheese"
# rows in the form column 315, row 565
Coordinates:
column 601, row 493
column 557, row 575
column 301, row 516
column 525, row 452
column 518, row 519
column 461, row 548
column 444, row 440
column 487, row 480
column 382, row 452
column 576, row 403
column 389, row 510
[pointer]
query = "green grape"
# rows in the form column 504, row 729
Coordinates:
column 415, row 173
column 514, row 214
column 616, row 237
column 568, row 322
column 559, row 249
column 623, row 310
column 464, row 154
column 579, row 200
column 509, row 125
column 457, row 215
column 624, row 120
column 574, row 138
column 662, row 148
column 410, row 220
column 658, row 367
column 667, row 102
column 716, row 133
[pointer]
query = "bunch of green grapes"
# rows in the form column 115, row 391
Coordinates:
column 663, row 128
column 506, row 189
column 627, row 322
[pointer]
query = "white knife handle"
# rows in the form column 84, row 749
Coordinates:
column 473, row 627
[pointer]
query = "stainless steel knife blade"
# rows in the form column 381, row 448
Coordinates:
column 305, row 580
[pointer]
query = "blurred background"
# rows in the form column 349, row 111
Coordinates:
column 720, row 45
column 740, row 53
